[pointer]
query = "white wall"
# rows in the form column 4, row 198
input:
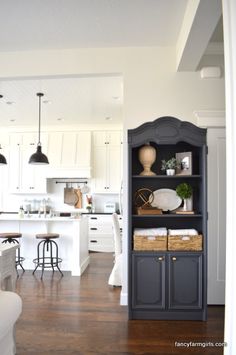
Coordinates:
column 55, row 193
column 152, row 88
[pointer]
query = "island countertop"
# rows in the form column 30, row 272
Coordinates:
column 35, row 217
column 72, row 243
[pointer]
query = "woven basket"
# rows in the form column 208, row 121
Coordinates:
column 185, row 242
column 157, row 242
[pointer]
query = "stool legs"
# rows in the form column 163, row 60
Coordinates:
column 57, row 258
column 47, row 261
column 19, row 259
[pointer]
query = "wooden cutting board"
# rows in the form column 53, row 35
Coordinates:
column 70, row 197
column 78, row 193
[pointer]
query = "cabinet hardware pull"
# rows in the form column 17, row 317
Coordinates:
column 93, row 229
column 93, row 241
column 174, row 258
column 93, row 218
column 161, row 258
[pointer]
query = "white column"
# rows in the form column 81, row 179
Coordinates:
column 229, row 20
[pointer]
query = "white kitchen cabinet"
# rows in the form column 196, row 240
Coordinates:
column 4, row 141
column 107, row 160
column 100, row 233
column 69, row 154
column 25, row 177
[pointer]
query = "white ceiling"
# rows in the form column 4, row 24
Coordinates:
column 50, row 24
column 57, row 24
column 90, row 100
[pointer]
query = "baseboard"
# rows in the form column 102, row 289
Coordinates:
column 123, row 298
column 84, row 265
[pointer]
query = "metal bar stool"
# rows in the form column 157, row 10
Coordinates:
column 48, row 244
column 12, row 238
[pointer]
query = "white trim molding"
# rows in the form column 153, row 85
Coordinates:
column 123, row 298
column 229, row 23
column 215, row 48
column 210, row 119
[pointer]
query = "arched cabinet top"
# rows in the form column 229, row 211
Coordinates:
column 167, row 130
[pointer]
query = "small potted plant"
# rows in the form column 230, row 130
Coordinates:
column 184, row 191
column 169, row 166
column 89, row 203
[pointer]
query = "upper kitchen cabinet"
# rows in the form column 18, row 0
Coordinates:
column 24, row 177
column 69, row 154
column 107, row 161
column 4, row 142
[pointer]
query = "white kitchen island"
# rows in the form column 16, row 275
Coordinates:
column 72, row 244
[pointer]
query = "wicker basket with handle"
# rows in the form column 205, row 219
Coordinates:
column 150, row 242
column 185, row 242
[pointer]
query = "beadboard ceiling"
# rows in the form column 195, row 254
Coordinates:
column 66, row 101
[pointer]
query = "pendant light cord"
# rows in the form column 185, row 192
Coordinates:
column 39, row 95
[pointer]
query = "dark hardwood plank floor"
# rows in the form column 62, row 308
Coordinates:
column 82, row 315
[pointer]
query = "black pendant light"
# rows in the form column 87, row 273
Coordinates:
column 3, row 160
column 39, row 158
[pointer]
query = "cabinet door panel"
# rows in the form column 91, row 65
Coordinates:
column 29, row 144
column 148, row 281
column 113, row 169
column 33, row 178
column 99, row 138
column 99, row 166
column 185, row 281
column 114, row 137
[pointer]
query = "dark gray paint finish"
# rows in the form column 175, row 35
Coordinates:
column 169, row 134
column 185, row 281
column 148, row 277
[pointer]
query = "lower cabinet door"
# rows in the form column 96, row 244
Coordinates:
column 185, row 281
column 148, row 281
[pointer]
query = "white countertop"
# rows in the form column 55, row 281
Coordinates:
column 35, row 218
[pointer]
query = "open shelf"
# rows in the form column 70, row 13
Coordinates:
column 170, row 215
column 167, row 177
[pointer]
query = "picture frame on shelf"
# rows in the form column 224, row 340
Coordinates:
column 185, row 166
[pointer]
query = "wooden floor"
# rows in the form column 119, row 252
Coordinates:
column 82, row 315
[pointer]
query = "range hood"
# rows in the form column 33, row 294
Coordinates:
column 56, row 173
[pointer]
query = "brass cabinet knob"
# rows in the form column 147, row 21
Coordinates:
column 161, row 258
column 174, row 258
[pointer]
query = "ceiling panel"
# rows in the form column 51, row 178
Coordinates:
column 67, row 101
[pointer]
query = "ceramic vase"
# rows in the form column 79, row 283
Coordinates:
column 170, row 172
column 147, row 156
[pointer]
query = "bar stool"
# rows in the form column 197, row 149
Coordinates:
column 13, row 238
column 47, row 243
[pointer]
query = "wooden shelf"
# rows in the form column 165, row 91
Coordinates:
column 167, row 177
column 170, row 215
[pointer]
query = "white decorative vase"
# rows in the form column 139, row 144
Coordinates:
column 147, row 156
column 170, row 172
column 185, row 208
